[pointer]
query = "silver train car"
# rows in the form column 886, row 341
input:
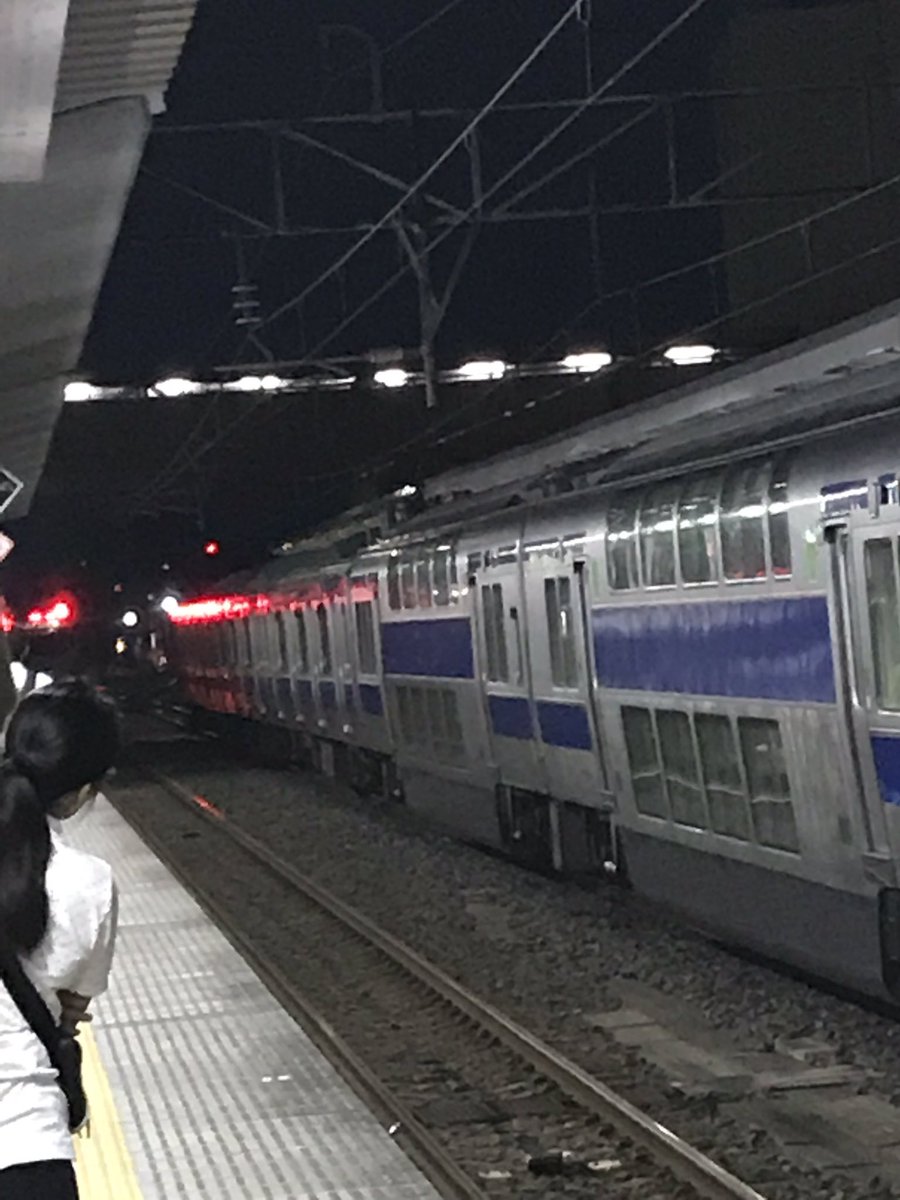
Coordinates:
column 685, row 672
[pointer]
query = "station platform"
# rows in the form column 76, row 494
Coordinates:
column 200, row 1084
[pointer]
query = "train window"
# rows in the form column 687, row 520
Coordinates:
column 324, row 638
column 404, row 713
column 728, row 813
column 436, row 730
column 697, row 519
column 408, row 590
column 495, row 632
column 621, row 551
column 561, row 631
column 302, row 642
column 423, row 581
column 393, row 574
column 365, row 637
column 440, row 578
column 779, row 525
column 658, row 537
column 418, row 717
column 767, row 778
column 281, row 632
column 643, row 759
column 680, row 766
column 884, row 620
column 743, row 510
column 233, row 655
column 452, row 722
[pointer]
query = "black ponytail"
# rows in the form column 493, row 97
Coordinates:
column 58, row 740
column 24, row 854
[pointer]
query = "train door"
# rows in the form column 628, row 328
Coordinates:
column 558, row 604
column 506, row 670
column 865, row 585
column 324, row 673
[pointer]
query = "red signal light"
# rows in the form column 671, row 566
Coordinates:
column 58, row 614
column 211, row 548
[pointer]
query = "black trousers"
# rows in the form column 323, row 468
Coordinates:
column 39, row 1181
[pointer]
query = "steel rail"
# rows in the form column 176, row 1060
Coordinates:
column 450, row 1180
column 668, row 1149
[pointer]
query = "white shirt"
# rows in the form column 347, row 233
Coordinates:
column 75, row 955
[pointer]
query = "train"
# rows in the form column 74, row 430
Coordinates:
column 674, row 660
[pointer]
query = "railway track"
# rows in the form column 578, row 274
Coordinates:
column 481, row 1104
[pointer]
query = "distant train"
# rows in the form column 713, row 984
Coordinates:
column 685, row 672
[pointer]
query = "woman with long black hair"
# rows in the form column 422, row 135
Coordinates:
column 57, row 915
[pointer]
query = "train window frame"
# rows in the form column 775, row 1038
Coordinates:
column 883, row 702
column 765, row 803
column 629, row 539
column 723, row 793
column 424, row 587
column 366, row 640
column 737, row 475
column 409, row 593
column 440, row 577
column 692, row 484
column 283, row 651
column 302, row 640
column 681, row 770
column 493, row 614
column 653, row 536
column 395, row 599
column 323, row 628
column 565, row 671
column 778, row 505
column 645, row 770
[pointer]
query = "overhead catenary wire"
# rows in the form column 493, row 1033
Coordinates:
column 455, row 144
column 609, row 83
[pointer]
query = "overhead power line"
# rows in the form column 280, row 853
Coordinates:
column 187, row 453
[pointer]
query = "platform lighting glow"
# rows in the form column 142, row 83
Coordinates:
column 19, row 673
column 271, row 383
column 406, row 490
column 172, row 388
column 483, row 370
column 121, row 645
column 690, row 356
column 169, row 605
column 392, row 377
column 130, row 619
column 42, row 679
column 587, row 363
column 247, row 383
column 78, row 391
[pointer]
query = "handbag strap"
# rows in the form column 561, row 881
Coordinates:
column 28, row 1000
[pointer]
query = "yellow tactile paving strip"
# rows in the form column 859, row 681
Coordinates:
column 103, row 1163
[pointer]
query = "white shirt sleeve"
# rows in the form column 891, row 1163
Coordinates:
column 92, row 975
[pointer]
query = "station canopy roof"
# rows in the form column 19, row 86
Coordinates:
column 79, row 81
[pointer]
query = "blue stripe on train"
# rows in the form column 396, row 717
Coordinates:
column 886, row 752
column 440, row 648
column 371, row 699
column 511, row 717
column 328, row 694
column 564, row 725
column 768, row 649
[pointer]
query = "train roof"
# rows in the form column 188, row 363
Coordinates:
column 820, row 378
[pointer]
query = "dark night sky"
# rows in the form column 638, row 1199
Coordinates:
column 165, row 306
